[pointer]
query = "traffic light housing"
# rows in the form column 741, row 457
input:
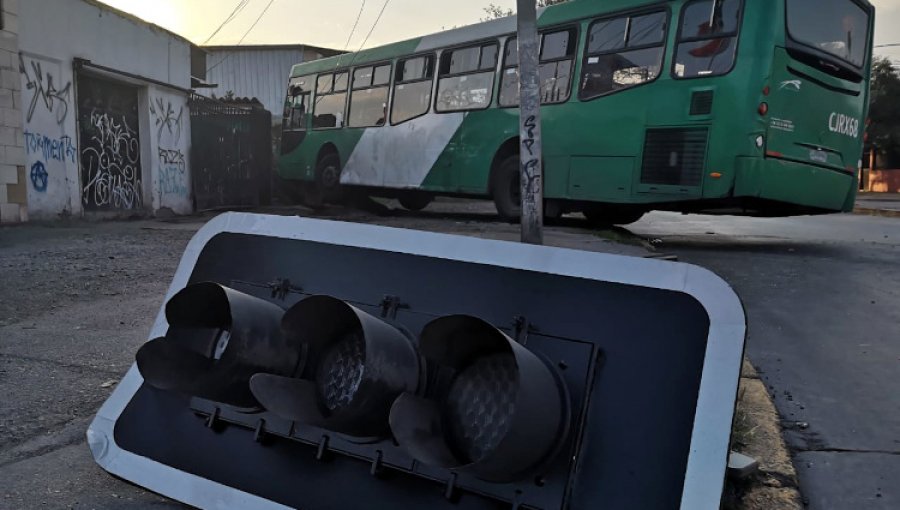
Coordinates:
column 386, row 368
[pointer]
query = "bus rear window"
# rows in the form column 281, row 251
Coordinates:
column 707, row 38
column 837, row 27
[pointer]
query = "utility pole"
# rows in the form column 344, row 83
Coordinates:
column 530, row 160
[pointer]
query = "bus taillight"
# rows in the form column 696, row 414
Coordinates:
column 763, row 108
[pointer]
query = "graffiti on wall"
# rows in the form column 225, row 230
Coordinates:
column 110, row 160
column 39, row 176
column 51, row 148
column 172, row 170
column 172, row 176
column 44, row 90
column 166, row 118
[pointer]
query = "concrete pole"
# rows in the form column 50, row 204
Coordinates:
column 530, row 159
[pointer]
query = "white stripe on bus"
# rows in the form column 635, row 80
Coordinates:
column 401, row 156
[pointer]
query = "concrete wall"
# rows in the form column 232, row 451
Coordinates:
column 13, row 179
column 54, row 33
column 254, row 72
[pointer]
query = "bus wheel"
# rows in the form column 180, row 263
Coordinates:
column 327, row 186
column 607, row 216
column 415, row 201
column 506, row 190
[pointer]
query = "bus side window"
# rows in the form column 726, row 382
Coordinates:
column 623, row 53
column 412, row 88
column 369, row 97
column 557, row 59
column 707, row 40
column 331, row 96
column 466, row 78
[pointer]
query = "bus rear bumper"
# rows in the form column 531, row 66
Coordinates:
column 794, row 183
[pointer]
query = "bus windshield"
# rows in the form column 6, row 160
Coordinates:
column 837, row 27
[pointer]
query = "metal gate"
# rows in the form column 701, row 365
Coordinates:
column 231, row 153
column 110, row 145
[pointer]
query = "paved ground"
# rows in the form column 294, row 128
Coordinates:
column 821, row 296
column 823, row 305
column 884, row 203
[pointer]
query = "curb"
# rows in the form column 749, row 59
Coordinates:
column 758, row 433
column 885, row 213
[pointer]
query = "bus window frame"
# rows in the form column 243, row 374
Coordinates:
column 631, row 13
column 346, row 92
column 792, row 45
column 742, row 9
column 290, row 98
column 351, row 90
column 496, row 69
column 548, row 30
column 395, row 82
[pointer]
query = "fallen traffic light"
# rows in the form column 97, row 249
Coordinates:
column 309, row 364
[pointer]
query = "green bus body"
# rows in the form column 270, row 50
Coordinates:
column 780, row 133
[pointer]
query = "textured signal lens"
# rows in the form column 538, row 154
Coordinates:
column 340, row 371
column 481, row 405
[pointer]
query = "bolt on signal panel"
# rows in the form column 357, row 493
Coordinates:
column 319, row 365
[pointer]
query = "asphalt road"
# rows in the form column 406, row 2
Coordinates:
column 823, row 306
column 821, row 295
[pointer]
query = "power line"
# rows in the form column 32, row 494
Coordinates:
column 355, row 24
column 263, row 13
column 891, row 45
column 237, row 9
column 383, row 7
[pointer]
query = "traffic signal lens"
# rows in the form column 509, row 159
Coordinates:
column 355, row 366
column 340, row 372
column 501, row 414
column 481, row 403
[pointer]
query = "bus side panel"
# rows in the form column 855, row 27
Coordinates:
column 301, row 163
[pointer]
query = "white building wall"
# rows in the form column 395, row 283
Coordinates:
column 170, row 134
column 261, row 73
column 53, row 34
column 13, row 179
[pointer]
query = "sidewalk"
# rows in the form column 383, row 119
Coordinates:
column 878, row 204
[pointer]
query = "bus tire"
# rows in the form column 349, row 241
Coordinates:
column 415, row 201
column 607, row 216
column 327, row 186
column 505, row 189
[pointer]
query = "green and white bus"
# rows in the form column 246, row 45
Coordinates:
column 721, row 106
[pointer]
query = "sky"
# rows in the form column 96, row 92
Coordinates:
column 328, row 23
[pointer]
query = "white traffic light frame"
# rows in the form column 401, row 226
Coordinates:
column 705, row 472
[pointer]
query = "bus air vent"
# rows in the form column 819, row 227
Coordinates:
column 702, row 102
column 674, row 156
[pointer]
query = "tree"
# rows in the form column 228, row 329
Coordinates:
column 494, row 11
column 884, row 109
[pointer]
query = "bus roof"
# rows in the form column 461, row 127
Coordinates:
column 560, row 13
